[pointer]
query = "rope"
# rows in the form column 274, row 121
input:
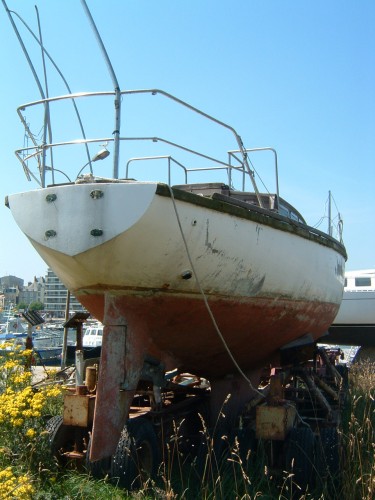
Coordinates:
column 220, row 335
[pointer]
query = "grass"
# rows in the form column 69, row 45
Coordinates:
column 358, row 471
column 28, row 471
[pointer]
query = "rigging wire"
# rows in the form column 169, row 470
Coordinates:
column 254, row 172
column 336, row 222
column 257, row 173
column 12, row 13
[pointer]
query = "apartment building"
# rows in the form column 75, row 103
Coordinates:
column 55, row 296
column 48, row 290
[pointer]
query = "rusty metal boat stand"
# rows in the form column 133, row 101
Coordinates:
column 294, row 416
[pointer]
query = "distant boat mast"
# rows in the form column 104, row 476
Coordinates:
column 329, row 214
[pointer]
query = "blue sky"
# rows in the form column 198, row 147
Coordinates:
column 298, row 76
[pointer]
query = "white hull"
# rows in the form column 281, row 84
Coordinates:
column 355, row 321
column 357, row 308
column 142, row 246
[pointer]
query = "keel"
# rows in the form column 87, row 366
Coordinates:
column 120, row 369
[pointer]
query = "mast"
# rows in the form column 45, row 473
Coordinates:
column 329, row 214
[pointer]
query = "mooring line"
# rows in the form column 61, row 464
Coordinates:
column 206, row 301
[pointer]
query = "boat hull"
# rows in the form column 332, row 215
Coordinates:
column 173, row 261
column 355, row 321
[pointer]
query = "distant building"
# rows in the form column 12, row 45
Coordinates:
column 11, row 281
column 33, row 291
column 55, row 295
column 10, row 287
column 48, row 290
column 11, row 295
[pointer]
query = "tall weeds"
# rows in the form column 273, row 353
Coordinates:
column 358, row 471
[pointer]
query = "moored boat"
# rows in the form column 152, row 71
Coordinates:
column 11, row 322
column 48, row 356
column 93, row 335
column 355, row 322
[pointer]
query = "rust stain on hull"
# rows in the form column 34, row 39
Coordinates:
column 179, row 331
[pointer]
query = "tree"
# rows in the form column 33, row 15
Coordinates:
column 22, row 305
column 36, row 306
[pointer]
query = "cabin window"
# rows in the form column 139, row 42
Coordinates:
column 363, row 281
column 293, row 216
column 100, row 333
column 283, row 211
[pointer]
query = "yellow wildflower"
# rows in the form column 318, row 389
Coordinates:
column 30, row 433
column 17, row 422
column 15, row 487
column 8, row 365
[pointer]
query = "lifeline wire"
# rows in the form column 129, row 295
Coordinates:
column 206, row 301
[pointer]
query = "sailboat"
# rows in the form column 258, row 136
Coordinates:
column 201, row 277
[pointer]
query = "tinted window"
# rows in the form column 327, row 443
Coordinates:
column 363, row 281
column 293, row 216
